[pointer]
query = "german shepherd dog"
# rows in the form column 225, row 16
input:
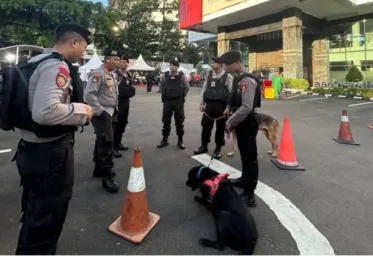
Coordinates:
column 235, row 225
column 269, row 126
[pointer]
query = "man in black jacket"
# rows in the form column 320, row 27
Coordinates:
column 126, row 91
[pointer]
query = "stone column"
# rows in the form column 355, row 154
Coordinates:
column 292, row 46
column 223, row 43
column 320, row 67
column 252, row 61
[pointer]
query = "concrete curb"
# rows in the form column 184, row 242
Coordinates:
column 330, row 96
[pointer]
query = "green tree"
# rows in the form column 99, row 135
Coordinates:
column 139, row 29
column 34, row 21
column 190, row 54
column 354, row 75
column 169, row 35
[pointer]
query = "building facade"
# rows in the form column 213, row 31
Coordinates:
column 315, row 39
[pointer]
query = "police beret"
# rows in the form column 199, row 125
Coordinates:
column 175, row 63
column 217, row 60
column 109, row 52
column 85, row 33
column 231, row 57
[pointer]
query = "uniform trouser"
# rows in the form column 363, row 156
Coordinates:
column 149, row 86
column 47, row 177
column 104, row 146
column 122, row 121
column 175, row 107
column 213, row 111
column 246, row 139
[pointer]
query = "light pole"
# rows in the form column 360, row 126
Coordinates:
column 365, row 50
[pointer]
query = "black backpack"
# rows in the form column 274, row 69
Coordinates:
column 14, row 83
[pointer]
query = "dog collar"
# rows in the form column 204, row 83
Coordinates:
column 200, row 171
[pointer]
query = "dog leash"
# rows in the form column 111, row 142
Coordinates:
column 212, row 158
column 215, row 119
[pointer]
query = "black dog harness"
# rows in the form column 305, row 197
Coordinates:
column 213, row 184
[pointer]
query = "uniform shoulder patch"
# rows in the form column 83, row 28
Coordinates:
column 244, row 88
column 62, row 76
column 95, row 78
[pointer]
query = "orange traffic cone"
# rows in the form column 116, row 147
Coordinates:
column 287, row 159
column 136, row 221
column 345, row 134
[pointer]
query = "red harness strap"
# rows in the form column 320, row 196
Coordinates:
column 214, row 185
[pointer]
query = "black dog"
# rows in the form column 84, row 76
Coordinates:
column 235, row 226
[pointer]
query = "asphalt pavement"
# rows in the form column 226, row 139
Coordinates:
column 334, row 193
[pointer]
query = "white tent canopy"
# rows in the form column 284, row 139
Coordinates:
column 140, row 65
column 93, row 63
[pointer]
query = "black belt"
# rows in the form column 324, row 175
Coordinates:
column 66, row 139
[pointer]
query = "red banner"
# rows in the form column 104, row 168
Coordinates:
column 190, row 13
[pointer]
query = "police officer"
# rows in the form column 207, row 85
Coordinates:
column 175, row 87
column 45, row 154
column 214, row 104
column 102, row 95
column 126, row 91
column 245, row 99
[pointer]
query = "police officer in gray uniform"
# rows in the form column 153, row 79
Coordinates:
column 45, row 154
column 214, row 105
column 101, row 94
column 245, row 99
column 175, row 87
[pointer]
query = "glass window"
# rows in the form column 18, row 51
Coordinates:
column 350, row 44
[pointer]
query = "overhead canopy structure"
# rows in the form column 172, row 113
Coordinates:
column 140, row 65
column 94, row 63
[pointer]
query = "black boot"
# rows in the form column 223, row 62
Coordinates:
column 202, row 149
column 97, row 173
column 110, row 185
column 249, row 199
column 217, row 152
column 117, row 154
column 180, row 143
column 164, row 143
column 121, row 147
column 237, row 182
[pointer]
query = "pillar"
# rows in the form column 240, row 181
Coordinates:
column 252, row 61
column 223, row 43
column 320, row 67
column 292, row 46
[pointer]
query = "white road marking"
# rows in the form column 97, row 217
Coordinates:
column 293, row 96
column 5, row 151
column 314, row 99
column 358, row 104
column 308, row 239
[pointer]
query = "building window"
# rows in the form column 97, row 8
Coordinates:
column 350, row 44
column 367, row 65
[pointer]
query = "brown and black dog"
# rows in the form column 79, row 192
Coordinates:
column 269, row 126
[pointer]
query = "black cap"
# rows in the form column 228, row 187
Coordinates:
column 217, row 59
column 231, row 57
column 175, row 63
column 85, row 33
column 109, row 52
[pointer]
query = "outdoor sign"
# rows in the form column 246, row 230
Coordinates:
column 190, row 13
